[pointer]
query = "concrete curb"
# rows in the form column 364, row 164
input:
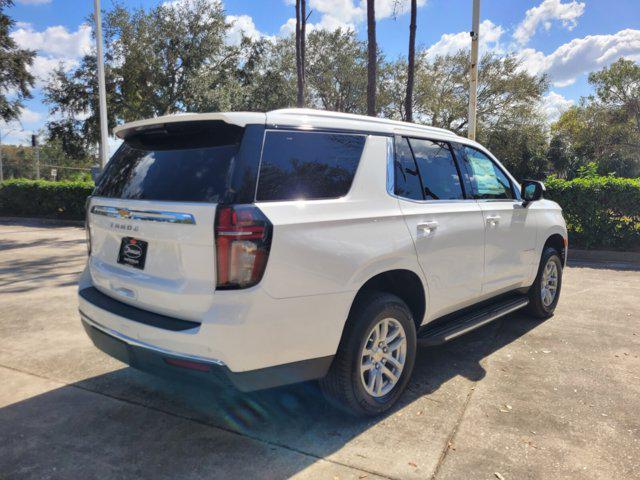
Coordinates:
column 41, row 222
column 603, row 256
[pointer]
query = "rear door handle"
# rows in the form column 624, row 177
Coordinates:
column 493, row 220
column 426, row 228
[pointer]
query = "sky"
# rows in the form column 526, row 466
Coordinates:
column 565, row 39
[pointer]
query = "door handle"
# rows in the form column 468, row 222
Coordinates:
column 493, row 220
column 427, row 228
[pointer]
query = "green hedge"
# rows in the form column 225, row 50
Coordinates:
column 601, row 212
column 43, row 198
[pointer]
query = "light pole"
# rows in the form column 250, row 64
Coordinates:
column 104, row 146
column 473, row 71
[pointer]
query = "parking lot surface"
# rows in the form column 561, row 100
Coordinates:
column 517, row 399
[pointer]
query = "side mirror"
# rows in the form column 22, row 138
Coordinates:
column 531, row 190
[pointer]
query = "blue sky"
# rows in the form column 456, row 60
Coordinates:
column 563, row 38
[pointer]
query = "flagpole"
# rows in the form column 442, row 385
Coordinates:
column 104, row 133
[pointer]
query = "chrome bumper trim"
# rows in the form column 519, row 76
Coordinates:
column 139, row 343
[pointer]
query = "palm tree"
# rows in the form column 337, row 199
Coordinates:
column 408, row 103
column 372, row 58
column 301, row 27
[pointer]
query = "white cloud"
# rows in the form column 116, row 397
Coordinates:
column 56, row 41
column 288, row 28
column 14, row 132
column 554, row 104
column 451, row 43
column 242, row 24
column 345, row 14
column 29, row 116
column 582, row 55
column 53, row 45
column 544, row 14
column 43, row 67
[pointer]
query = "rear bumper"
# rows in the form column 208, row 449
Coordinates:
column 162, row 361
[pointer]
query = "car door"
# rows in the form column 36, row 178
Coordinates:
column 446, row 227
column 510, row 237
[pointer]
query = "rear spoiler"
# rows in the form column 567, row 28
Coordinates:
column 240, row 119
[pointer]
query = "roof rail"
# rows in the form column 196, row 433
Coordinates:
column 326, row 114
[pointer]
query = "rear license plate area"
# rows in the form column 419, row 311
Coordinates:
column 133, row 252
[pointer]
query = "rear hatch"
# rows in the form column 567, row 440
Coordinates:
column 151, row 218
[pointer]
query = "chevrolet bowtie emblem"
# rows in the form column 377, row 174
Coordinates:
column 124, row 213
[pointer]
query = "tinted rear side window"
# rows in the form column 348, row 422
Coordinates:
column 437, row 169
column 308, row 165
column 189, row 163
column 407, row 179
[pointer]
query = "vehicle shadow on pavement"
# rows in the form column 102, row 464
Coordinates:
column 143, row 425
column 24, row 275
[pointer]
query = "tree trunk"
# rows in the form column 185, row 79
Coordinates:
column 372, row 59
column 408, row 103
column 303, row 47
column 299, row 68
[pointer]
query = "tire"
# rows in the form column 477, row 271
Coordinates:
column 540, row 307
column 344, row 386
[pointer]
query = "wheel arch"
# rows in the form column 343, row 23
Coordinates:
column 405, row 284
column 556, row 241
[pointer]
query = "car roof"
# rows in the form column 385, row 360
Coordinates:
column 296, row 117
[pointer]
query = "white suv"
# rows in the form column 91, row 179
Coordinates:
column 299, row 244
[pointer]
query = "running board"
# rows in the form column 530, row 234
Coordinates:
column 453, row 326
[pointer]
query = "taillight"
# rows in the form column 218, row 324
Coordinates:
column 243, row 239
column 87, row 226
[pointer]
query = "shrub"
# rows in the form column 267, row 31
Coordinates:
column 601, row 212
column 43, row 198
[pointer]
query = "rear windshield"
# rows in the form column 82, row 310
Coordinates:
column 308, row 165
column 189, row 162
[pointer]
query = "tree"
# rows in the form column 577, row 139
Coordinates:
column 14, row 73
column 519, row 140
column 168, row 59
column 301, row 29
column 604, row 128
column 618, row 89
column 509, row 120
column 411, row 62
column 73, row 104
column 372, row 58
column 441, row 92
column 267, row 78
column 337, row 72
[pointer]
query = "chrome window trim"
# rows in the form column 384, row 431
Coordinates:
column 144, row 215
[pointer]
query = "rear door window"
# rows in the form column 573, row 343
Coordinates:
column 440, row 177
column 308, row 165
column 407, row 178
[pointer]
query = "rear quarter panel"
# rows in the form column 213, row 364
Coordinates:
column 331, row 246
